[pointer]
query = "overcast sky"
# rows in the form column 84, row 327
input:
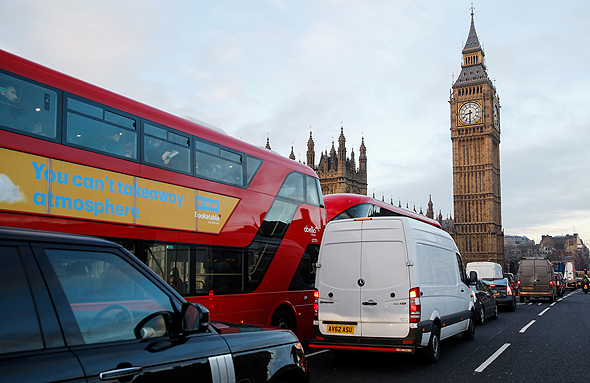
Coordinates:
column 381, row 69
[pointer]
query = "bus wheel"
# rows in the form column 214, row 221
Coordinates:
column 284, row 319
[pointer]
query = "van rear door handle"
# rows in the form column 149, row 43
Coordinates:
column 370, row 303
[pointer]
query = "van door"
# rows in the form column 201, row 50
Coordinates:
column 338, row 279
column 384, row 281
column 542, row 276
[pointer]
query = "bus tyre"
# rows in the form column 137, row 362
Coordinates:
column 433, row 348
column 284, row 319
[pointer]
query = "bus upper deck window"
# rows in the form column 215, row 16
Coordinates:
column 28, row 108
column 94, row 127
column 293, row 187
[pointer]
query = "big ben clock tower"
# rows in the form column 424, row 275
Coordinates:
column 475, row 134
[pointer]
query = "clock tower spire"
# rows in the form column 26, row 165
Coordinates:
column 475, row 135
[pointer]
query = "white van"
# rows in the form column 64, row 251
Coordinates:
column 485, row 270
column 390, row 284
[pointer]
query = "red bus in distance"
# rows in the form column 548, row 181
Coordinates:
column 343, row 206
column 230, row 225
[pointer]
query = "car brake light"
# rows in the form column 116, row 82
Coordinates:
column 415, row 305
column 508, row 290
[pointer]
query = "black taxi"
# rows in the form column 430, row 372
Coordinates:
column 81, row 309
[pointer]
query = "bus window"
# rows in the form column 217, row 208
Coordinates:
column 313, row 192
column 93, row 127
column 27, row 108
column 226, row 271
column 171, row 263
column 304, row 277
column 218, row 164
column 166, row 149
column 293, row 187
column 277, row 220
column 252, row 165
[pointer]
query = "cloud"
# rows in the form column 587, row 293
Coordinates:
column 9, row 192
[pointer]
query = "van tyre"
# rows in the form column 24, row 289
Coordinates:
column 433, row 348
column 469, row 334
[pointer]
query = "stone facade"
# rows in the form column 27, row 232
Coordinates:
column 475, row 136
column 337, row 172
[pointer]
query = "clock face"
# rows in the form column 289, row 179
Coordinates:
column 496, row 116
column 470, row 113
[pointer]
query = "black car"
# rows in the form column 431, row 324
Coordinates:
column 505, row 294
column 82, row 309
column 485, row 301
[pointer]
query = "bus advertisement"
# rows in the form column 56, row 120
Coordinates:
column 230, row 225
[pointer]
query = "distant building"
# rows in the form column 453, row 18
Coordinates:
column 337, row 172
column 513, row 240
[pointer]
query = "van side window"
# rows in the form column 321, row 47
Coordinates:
column 436, row 265
column 462, row 274
column 19, row 325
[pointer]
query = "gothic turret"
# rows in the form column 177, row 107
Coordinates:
column 310, row 151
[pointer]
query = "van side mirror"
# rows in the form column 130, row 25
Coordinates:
column 472, row 277
column 195, row 317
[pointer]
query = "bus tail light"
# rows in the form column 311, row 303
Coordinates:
column 415, row 305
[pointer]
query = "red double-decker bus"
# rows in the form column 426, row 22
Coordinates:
column 344, row 205
column 232, row 226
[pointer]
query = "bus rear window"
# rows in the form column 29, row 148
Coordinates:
column 27, row 108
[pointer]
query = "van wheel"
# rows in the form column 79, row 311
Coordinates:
column 469, row 334
column 433, row 348
column 521, row 299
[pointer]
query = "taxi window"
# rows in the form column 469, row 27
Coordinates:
column 19, row 325
column 107, row 295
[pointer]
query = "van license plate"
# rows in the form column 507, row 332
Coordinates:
column 338, row 329
column 527, row 287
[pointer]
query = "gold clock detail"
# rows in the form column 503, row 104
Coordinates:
column 470, row 112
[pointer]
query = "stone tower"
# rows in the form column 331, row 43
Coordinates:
column 475, row 135
column 337, row 172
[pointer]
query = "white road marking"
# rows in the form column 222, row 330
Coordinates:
column 544, row 311
column 522, row 330
column 316, row 353
column 492, row 358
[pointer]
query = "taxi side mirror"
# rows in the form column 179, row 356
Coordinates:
column 195, row 317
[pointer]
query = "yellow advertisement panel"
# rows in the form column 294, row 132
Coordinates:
column 35, row 184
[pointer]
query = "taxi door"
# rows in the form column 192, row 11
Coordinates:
column 103, row 297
